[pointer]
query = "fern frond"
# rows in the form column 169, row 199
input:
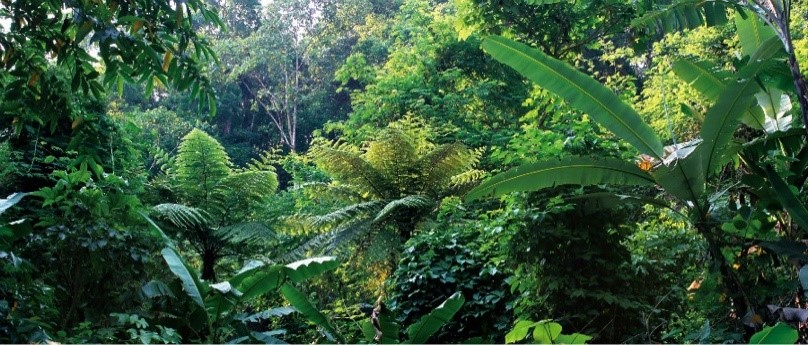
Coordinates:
column 468, row 177
column 345, row 163
column 409, row 201
column 245, row 233
column 201, row 164
column 266, row 161
column 346, row 213
column 392, row 153
column 181, row 216
column 444, row 162
column 329, row 241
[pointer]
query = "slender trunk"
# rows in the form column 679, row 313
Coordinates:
column 799, row 84
column 729, row 280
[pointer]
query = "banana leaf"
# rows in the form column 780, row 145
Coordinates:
column 579, row 90
column 576, row 170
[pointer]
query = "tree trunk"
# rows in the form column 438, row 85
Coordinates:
column 208, row 261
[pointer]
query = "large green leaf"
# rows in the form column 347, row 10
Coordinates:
column 193, row 287
column 299, row 271
column 428, row 324
column 723, row 117
column 258, row 281
column 579, row 90
column 752, row 32
column 576, row 170
column 704, row 76
column 683, row 15
column 298, row 300
column 779, row 334
column 790, row 202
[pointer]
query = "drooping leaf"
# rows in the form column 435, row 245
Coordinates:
column 156, row 288
column 258, row 281
column 299, row 271
column 298, row 300
column 576, row 170
column 9, row 201
column 409, row 201
column 790, row 202
column 428, row 324
column 704, row 76
column 579, row 90
column 574, row 338
column 191, row 284
column 779, row 334
column 684, row 15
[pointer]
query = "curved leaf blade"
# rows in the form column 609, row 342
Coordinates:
column 779, row 334
column 579, row 90
column 582, row 171
column 790, row 202
column 258, row 281
column 427, row 325
column 9, row 201
column 298, row 300
column 299, row 271
column 193, row 287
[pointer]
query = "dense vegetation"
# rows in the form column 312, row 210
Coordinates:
column 364, row 171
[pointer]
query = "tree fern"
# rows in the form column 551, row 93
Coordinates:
column 399, row 178
column 218, row 201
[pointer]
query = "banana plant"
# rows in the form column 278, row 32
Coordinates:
column 215, row 305
column 774, row 15
column 681, row 170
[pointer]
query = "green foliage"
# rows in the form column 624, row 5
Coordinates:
column 544, row 332
column 454, row 254
column 384, row 330
column 581, row 91
column 218, row 303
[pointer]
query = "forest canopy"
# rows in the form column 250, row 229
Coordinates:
column 408, row 171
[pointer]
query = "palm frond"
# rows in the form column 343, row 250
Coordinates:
column 409, row 201
column 181, row 216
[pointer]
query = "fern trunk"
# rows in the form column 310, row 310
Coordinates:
column 208, row 262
